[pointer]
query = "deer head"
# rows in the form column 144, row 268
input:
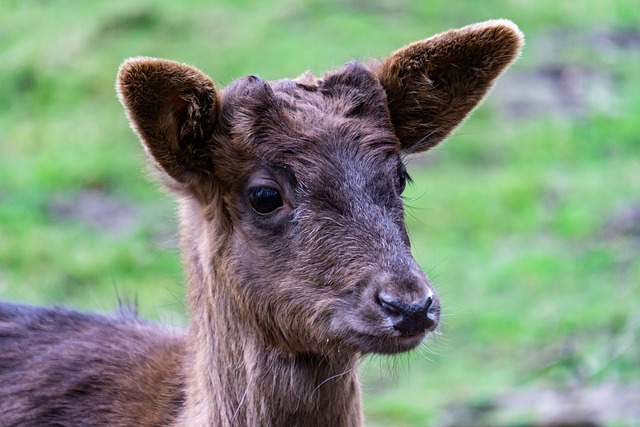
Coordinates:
column 292, row 189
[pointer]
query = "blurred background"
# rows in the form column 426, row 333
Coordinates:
column 527, row 219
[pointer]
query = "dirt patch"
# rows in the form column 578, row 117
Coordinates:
column 97, row 209
column 564, row 83
column 581, row 406
column 558, row 90
column 624, row 222
column 604, row 41
column 601, row 404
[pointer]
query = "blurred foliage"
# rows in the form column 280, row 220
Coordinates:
column 527, row 219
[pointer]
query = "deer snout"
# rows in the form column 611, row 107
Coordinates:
column 410, row 317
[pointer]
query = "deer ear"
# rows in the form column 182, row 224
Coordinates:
column 433, row 84
column 173, row 108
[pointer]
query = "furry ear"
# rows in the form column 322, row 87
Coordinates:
column 173, row 109
column 433, row 84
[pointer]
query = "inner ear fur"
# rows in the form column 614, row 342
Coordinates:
column 173, row 109
column 433, row 84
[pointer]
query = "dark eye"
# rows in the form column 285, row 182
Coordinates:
column 403, row 178
column 265, row 200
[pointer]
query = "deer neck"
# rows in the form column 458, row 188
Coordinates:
column 234, row 378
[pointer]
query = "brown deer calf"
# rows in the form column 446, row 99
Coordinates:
column 293, row 238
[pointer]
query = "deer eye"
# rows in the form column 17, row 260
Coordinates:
column 265, row 200
column 403, row 178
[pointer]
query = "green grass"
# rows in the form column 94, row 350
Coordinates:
column 510, row 217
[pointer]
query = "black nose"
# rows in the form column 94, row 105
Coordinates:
column 408, row 318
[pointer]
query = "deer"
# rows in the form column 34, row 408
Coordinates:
column 292, row 235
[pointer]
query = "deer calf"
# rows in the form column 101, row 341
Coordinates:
column 292, row 236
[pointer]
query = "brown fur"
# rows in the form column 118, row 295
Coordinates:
column 283, row 303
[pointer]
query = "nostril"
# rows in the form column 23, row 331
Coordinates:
column 407, row 318
column 390, row 305
column 427, row 304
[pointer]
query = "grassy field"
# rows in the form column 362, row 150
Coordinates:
column 527, row 219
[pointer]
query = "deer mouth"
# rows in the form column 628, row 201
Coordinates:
column 403, row 343
column 388, row 344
